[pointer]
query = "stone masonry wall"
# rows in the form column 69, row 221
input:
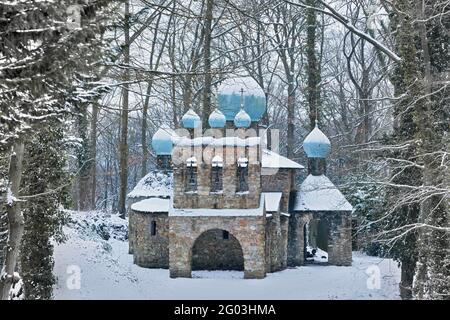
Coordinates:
column 229, row 197
column 279, row 181
column 284, row 223
column 340, row 248
column 276, row 243
column 149, row 251
column 249, row 231
column 296, row 240
column 339, row 237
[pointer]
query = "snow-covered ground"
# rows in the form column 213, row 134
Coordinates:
column 106, row 271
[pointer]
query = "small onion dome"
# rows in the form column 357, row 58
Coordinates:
column 242, row 119
column 217, row 119
column 317, row 144
column 190, row 120
column 162, row 142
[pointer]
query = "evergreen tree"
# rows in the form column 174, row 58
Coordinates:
column 406, row 210
column 45, row 178
column 418, row 225
column 49, row 48
column 432, row 117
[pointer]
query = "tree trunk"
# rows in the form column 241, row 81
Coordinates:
column 93, row 157
column 291, row 117
column 313, row 69
column 144, row 129
column 84, row 161
column 123, row 146
column 207, row 62
column 432, row 276
column 407, row 276
column 15, row 221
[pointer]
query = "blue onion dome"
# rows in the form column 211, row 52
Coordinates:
column 190, row 120
column 162, row 142
column 317, row 144
column 242, row 119
column 256, row 111
column 217, row 119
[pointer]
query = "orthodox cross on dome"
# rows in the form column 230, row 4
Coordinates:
column 242, row 98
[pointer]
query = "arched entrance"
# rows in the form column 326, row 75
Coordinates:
column 217, row 249
column 316, row 234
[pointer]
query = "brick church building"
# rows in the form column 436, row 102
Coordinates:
column 220, row 200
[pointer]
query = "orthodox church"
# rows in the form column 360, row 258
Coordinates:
column 221, row 201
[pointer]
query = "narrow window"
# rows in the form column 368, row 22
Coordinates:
column 225, row 235
column 191, row 174
column 216, row 174
column 153, row 228
column 242, row 175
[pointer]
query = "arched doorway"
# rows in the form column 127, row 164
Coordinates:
column 217, row 249
column 316, row 233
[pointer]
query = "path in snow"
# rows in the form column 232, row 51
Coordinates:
column 107, row 272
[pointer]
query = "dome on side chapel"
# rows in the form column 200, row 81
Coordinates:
column 317, row 144
column 162, row 142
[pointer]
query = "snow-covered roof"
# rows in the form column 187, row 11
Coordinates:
column 318, row 193
column 272, row 201
column 272, row 159
column 154, row 184
column 151, row 205
column 183, row 212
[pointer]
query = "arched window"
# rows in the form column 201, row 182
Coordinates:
column 191, row 174
column 242, row 175
column 216, row 174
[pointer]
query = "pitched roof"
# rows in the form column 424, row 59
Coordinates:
column 272, row 201
column 272, row 159
column 318, row 193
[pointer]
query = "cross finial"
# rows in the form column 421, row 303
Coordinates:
column 242, row 98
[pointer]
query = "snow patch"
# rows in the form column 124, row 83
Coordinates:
column 151, row 205
column 108, row 272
